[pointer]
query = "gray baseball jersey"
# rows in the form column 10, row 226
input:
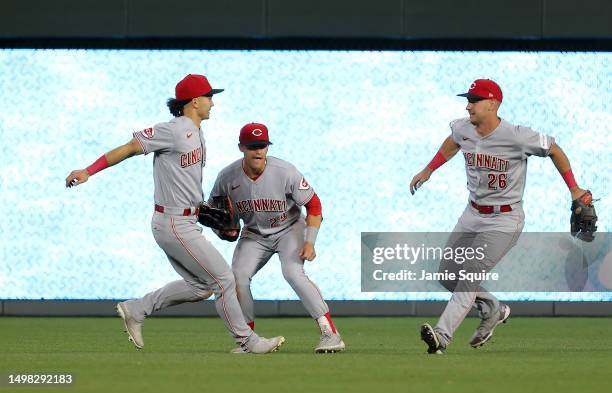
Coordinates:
column 271, row 210
column 496, row 169
column 180, row 155
column 496, row 165
column 269, row 204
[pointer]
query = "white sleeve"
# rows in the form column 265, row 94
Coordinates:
column 157, row 138
column 298, row 187
column 534, row 143
column 454, row 131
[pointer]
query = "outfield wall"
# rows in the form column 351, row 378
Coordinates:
column 106, row 308
column 356, row 124
column 534, row 19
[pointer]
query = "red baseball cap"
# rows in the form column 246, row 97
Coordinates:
column 254, row 134
column 192, row 86
column 483, row 89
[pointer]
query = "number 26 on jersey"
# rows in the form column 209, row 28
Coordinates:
column 498, row 181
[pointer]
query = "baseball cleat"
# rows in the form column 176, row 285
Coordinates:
column 430, row 337
column 239, row 350
column 487, row 326
column 265, row 345
column 330, row 343
column 132, row 327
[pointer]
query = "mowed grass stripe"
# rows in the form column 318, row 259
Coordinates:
column 383, row 354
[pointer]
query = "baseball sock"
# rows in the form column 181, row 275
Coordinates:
column 251, row 325
column 325, row 322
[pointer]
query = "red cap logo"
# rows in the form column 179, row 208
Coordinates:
column 193, row 86
column 484, row 89
column 254, row 134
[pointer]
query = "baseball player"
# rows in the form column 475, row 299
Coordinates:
column 179, row 156
column 495, row 154
column 267, row 194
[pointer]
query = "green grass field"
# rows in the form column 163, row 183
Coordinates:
column 383, row 354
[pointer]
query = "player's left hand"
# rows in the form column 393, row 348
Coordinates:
column 584, row 217
column 231, row 232
column 308, row 252
column 231, row 235
column 577, row 192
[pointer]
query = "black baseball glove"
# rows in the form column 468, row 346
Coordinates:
column 218, row 214
column 584, row 218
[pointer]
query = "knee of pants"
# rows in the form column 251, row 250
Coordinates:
column 294, row 274
column 200, row 291
column 224, row 283
column 242, row 277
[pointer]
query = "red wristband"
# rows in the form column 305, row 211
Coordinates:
column 97, row 166
column 437, row 161
column 568, row 176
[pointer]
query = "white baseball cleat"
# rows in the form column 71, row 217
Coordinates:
column 239, row 350
column 132, row 327
column 263, row 345
column 430, row 337
column 330, row 343
column 487, row 326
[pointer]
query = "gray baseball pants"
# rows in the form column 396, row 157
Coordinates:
column 254, row 251
column 201, row 266
column 499, row 232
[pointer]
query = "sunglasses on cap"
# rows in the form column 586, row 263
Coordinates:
column 257, row 146
column 475, row 100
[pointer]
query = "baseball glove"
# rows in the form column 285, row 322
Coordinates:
column 218, row 214
column 584, row 218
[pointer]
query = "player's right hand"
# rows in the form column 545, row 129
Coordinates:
column 77, row 177
column 419, row 179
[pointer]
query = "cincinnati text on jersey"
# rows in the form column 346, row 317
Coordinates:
column 486, row 161
column 193, row 157
column 261, row 205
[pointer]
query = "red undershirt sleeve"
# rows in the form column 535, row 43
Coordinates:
column 314, row 207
